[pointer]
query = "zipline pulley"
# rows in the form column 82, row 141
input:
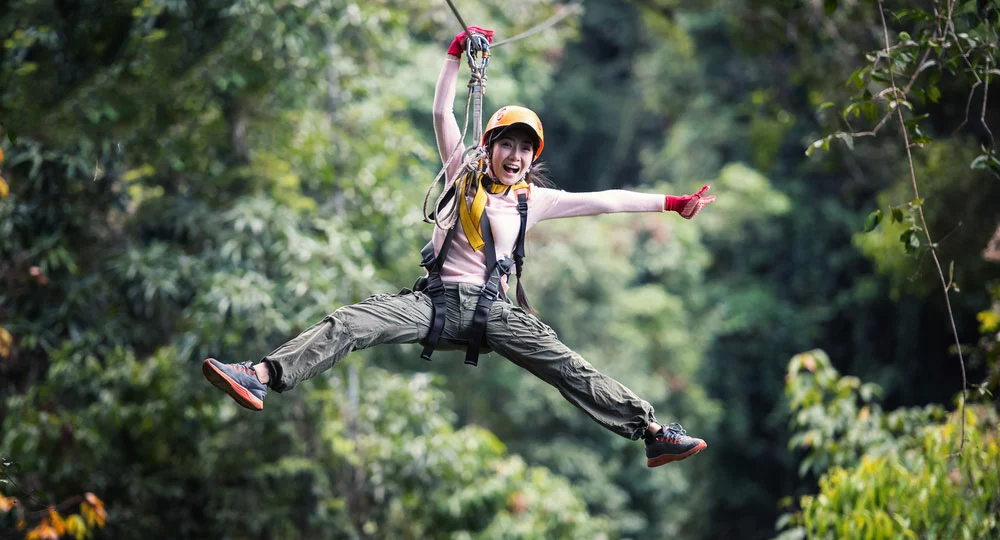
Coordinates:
column 477, row 51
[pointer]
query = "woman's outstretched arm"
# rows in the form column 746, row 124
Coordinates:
column 554, row 204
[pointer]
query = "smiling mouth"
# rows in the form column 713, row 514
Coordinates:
column 511, row 170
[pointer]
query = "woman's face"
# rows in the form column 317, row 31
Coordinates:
column 512, row 154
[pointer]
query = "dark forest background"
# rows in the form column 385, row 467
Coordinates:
column 187, row 179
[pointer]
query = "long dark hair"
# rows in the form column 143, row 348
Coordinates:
column 538, row 175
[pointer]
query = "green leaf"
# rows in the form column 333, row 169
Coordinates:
column 910, row 239
column 980, row 162
column 870, row 111
column 904, row 36
column 933, row 94
column 847, row 138
column 823, row 143
column 857, row 78
column 873, row 220
column 897, row 214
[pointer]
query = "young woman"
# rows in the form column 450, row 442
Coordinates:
column 462, row 266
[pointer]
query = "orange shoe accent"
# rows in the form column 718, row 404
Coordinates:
column 667, row 458
column 222, row 381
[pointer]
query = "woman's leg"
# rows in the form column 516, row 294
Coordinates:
column 531, row 344
column 382, row 318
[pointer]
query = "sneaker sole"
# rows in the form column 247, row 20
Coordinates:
column 222, row 381
column 667, row 458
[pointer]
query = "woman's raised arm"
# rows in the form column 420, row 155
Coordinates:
column 449, row 137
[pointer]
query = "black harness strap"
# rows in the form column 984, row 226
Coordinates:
column 491, row 291
column 522, row 210
column 435, row 289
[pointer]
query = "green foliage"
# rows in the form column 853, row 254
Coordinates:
column 986, row 355
column 171, row 455
column 184, row 179
column 837, row 419
column 905, row 73
column 956, row 202
column 209, row 182
column 888, row 475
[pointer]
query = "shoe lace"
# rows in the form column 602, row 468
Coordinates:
column 246, row 367
column 672, row 432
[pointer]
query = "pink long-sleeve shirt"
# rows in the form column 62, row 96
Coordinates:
column 463, row 264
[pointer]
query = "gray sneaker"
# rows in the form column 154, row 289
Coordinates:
column 671, row 443
column 238, row 380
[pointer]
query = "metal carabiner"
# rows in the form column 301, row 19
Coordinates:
column 477, row 43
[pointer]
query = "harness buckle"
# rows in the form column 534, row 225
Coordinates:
column 504, row 265
column 491, row 290
column 434, row 289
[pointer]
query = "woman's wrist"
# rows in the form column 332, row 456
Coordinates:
column 672, row 203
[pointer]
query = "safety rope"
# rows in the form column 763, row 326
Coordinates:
column 433, row 216
column 444, row 215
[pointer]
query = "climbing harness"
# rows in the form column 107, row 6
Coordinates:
column 492, row 290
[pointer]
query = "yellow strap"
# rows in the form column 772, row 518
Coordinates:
column 471, row 216
column 496, row 187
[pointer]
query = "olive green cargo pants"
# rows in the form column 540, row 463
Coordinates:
column 512, row 332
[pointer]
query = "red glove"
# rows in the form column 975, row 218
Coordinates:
column 457, row 48
column 688, row 206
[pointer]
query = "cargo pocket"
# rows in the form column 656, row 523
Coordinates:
column 534, row 324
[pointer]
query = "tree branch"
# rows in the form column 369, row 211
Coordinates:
column 946, row 286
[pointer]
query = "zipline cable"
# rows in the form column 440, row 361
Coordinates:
column 564, row 11
column 459, row 17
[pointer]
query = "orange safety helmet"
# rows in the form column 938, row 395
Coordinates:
column 514, row 114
